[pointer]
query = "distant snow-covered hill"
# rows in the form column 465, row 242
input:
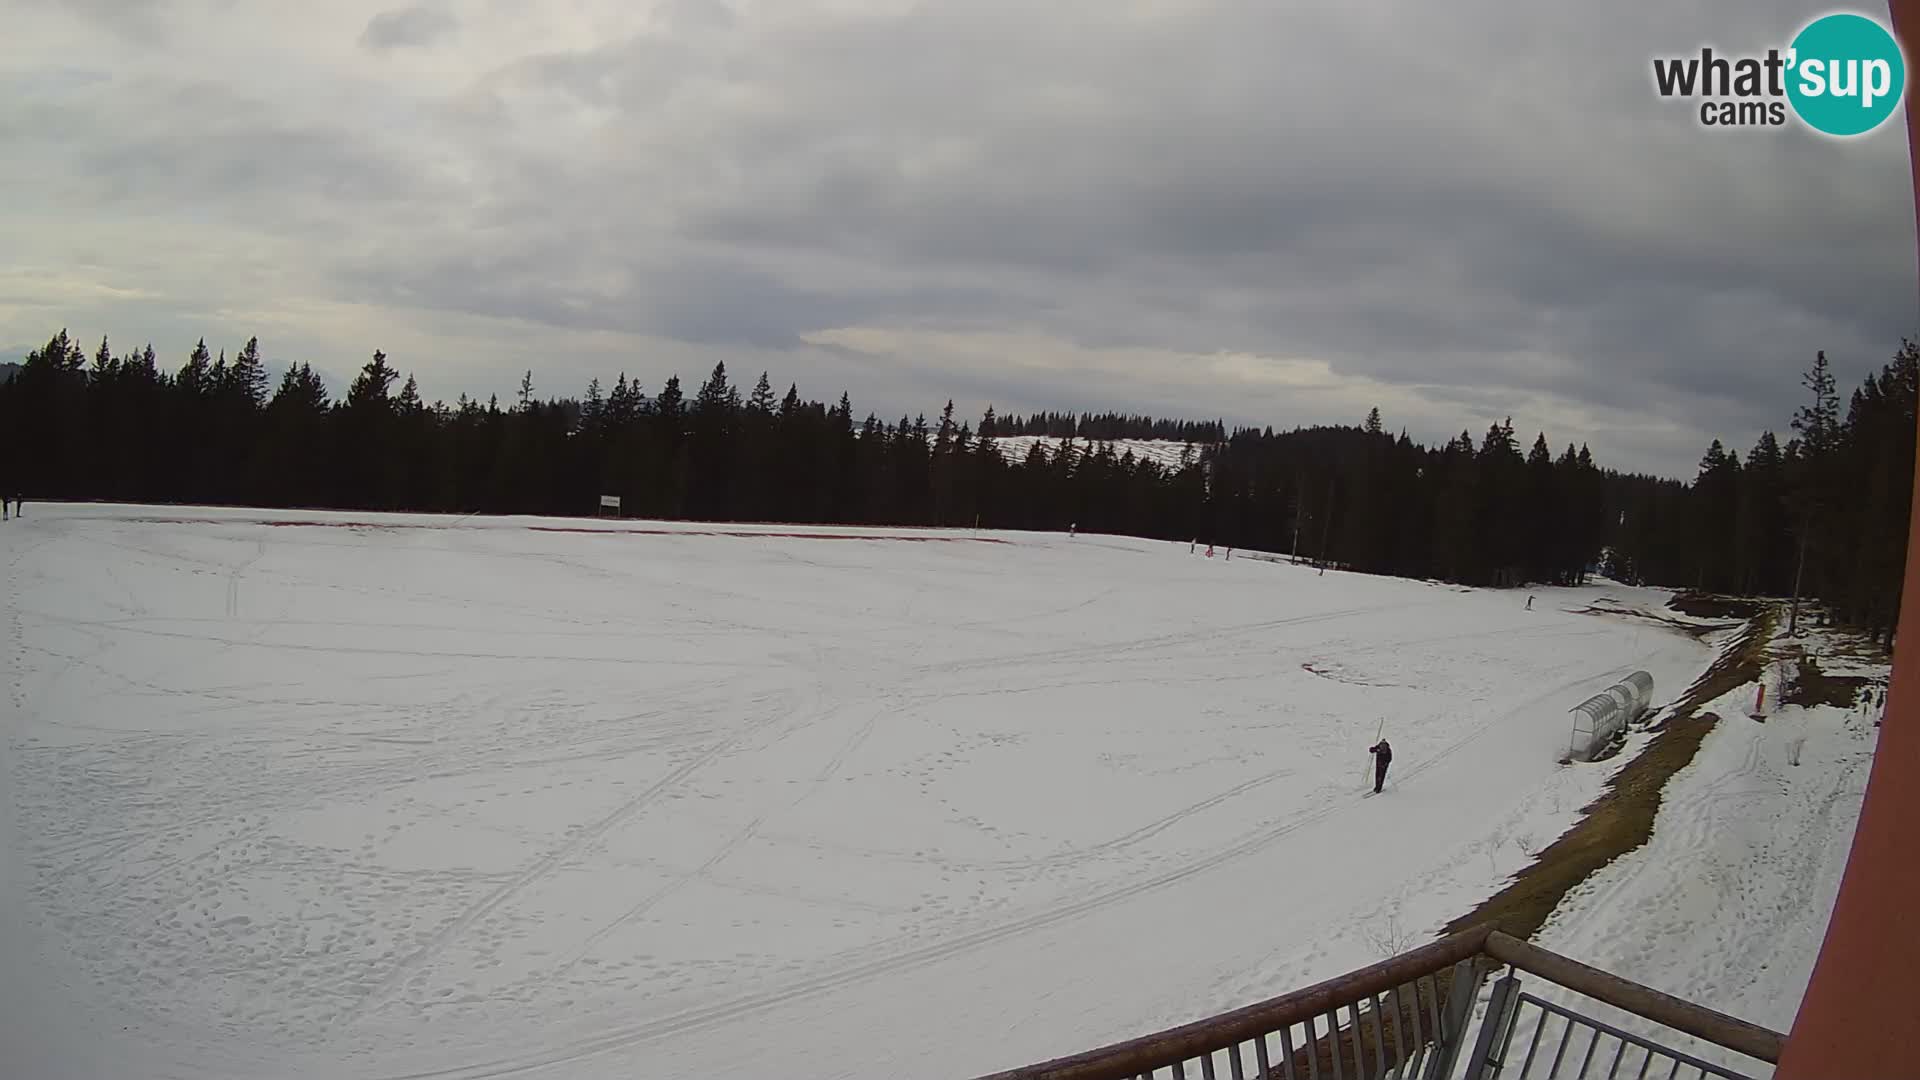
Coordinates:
column 1164, row 451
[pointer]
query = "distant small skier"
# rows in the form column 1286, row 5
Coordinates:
column 1529, row 603
column 1072, row 528
column 1382, row 757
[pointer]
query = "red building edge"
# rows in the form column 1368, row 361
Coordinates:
column 1856, row 1020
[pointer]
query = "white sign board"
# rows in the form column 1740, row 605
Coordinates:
column 610, row 502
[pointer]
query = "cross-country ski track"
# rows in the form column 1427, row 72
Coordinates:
column 305, row 795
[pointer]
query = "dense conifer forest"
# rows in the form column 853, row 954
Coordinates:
column 1825, row 509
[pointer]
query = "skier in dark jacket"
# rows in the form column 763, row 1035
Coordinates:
column 1382, row 757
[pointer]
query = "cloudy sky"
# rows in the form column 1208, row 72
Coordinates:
column 1271, row 213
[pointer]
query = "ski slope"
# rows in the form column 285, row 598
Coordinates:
column 320, row 795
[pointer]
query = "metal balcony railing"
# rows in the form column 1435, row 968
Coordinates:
column 1413, row 1018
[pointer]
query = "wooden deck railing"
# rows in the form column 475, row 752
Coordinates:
column 1403, row 1017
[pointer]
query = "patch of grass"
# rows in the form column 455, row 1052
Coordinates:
column 1713, row 606
column 1621, row 819
column 1811, row 686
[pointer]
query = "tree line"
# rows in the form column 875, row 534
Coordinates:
column 1104, row 427
column 1826, row 511
column 1822, row 516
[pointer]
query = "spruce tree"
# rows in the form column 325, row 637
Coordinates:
column 195, row 378
column 247, row 378
column 1811, row 482
column 371, row 391
column 669, row 405
column 761, row 403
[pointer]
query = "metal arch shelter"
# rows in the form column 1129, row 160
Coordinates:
column 1857, row 1017
column 1602, row 717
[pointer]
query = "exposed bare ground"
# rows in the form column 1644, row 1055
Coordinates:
column 1712, row 606
column 1811, row 686
column 1695, row 630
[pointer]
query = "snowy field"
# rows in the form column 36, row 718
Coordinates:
column 309, row 795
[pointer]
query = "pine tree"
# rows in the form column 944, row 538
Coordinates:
column 1499, row 473
column 1760, row 530
column 1811, row 482
column 1542, row 512
column 761, row 403
column 302, row 390
column 72, row 361
column 247, row 378
column 1715, row 505
column 712, row 398
column 45, row 427
column 296, row 465
column 371, row 389
column 669, row 405
column 195, row 379
column 143, row 366
column 594, row 407
column 1818, row 421
column 943, row 436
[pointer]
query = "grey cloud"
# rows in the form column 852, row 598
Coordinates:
column 692, row 297
column 190, row 149
column 1484, row 206
column 140, row 21
column 694, row 16
column 414, row 27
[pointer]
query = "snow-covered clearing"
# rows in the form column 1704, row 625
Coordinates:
column 296, row 794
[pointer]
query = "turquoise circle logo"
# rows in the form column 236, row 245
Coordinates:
column 1848, row 74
